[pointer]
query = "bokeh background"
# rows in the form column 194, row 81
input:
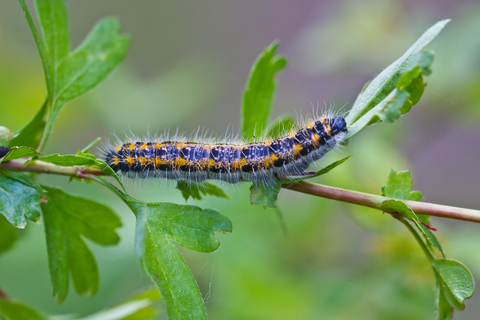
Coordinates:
column 187, row 66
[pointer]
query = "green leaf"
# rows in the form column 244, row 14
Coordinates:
column 52, row 15
column 280, row 127
column 18, row 311
column 81, row 159
column 19, row 152
column 399, row 186
column 8, row 235
column 431, row 239
column 30, row 135
column 444, row 309
column 159, row 226
column 259, row 91
column 323, row 171
column 382, row 98
column 195, row 190
column 91, row 62
column 456, row 282
column 67, row 218
column 101, row 51
column 68, row 75
column 265, row 196
column 48, row 67
column 68, row 160
column 189, row 226
column 19, row 197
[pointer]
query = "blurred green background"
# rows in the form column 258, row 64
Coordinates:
column 187, row 66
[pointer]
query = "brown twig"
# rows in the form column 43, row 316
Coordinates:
column 374, row 201
column 355, row 197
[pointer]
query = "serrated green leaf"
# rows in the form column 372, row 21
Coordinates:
column 18, row 199
column 456, row 282
column 68, row 75
column 30, row 135
column 159, row 226
column 379, row 87
column 190, row 227
column 265, row 196
column 19, row 152
column 67, row 219
column 280, row 127
column 195, row 190
column 399, row 185
column 18, row 311
column 8, row 235
column 259, row 91
column 88, row 65
column 91, row 62
column 381, row 98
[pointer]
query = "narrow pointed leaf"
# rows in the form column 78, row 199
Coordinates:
column 52, row 15
column 18, row 198
column 19, row 152
column 259, row 91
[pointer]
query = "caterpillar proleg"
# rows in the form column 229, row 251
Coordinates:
column 231, row 162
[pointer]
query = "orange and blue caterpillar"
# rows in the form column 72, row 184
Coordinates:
column 230, row 162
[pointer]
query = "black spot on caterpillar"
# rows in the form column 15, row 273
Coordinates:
column 231, row 162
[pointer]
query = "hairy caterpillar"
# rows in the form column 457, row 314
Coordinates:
column 230, row 162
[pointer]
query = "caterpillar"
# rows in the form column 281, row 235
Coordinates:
column 231, row 162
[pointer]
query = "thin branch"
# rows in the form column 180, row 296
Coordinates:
column 355, row 197
column 374, row 201
column 44, row 167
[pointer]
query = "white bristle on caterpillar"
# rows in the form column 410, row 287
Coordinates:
column 230, row 160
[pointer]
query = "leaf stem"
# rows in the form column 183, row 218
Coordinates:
column 418, row 238
column 374, row 201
